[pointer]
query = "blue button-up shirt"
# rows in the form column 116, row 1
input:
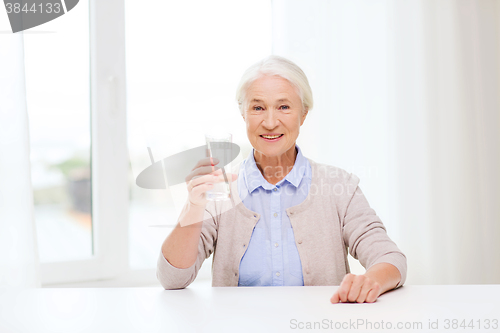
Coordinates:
column 271, row 258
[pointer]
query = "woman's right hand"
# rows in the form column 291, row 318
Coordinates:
column 202, row 179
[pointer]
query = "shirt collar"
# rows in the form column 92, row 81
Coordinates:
column 254, row 178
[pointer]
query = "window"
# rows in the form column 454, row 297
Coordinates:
column 92, row 125
column 76, row 104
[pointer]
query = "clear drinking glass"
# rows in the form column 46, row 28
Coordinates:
column 219, row 146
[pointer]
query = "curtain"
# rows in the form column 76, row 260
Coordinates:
column 19, row 265
column 407, row 97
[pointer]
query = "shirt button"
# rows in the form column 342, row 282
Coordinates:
column 300, row 241
column 276, row 244
column 275, row 214
column 278, row 274
column 275, row 189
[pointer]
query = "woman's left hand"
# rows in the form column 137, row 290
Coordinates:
column 357, row 288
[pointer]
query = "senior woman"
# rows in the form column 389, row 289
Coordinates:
column 290, row 220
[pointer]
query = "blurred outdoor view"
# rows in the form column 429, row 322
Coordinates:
column 57, row 88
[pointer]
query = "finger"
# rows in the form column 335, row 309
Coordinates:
column 345, row 286
column 201, row 189
column 355, row 288
column 207, row 161
column 216, row 171
column 373, row 294
column 202, row 170
column 216, row 177
column 367, row 286
column 229, row 176
column 205, row 170
column 335, row 298
column 227, row 179
column 198, row 180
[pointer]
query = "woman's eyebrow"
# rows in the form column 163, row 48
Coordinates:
column 255, row 100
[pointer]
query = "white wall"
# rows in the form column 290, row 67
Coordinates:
column 407, row 97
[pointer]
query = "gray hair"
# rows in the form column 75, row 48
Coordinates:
column 276, row 66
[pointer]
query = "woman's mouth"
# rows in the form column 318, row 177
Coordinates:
column 271, row 138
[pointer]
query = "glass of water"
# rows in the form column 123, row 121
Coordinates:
column 219, row 147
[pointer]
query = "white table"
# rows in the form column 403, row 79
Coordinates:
column 201, row 308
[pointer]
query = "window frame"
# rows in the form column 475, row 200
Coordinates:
column 109, row 154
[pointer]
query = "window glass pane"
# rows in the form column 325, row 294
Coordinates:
column 184, row 61
column 57, row 87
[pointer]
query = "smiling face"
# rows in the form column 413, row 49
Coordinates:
column 273, row 114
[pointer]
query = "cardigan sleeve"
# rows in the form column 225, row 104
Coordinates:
column 172, row 277
column 365, row 234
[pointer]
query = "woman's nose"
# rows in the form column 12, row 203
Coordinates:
column 271, row 119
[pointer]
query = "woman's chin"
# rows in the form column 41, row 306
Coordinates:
column 271, row 151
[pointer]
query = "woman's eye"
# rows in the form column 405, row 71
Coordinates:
column 257, row 108
column 284, row 107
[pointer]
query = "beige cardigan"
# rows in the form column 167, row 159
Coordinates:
column 333, row 218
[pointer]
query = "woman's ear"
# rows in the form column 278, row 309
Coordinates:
column 304, row 114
